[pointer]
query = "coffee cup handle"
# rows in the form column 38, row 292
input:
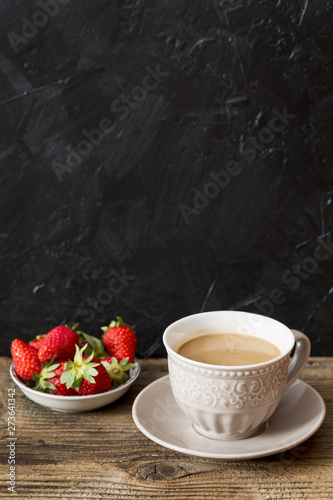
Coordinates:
column 300, row 358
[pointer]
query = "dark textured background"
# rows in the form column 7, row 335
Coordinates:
column 135, row 225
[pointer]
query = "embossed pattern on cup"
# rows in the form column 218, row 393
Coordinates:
column 237, row 400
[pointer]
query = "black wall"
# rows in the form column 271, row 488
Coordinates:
column 161, row 158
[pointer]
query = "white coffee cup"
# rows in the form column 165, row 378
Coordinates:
column 232, row 402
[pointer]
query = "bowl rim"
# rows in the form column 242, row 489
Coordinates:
column 58, row 397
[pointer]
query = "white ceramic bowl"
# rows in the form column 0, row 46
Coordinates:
column 76, row 404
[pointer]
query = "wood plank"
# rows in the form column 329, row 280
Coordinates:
column 102, row 454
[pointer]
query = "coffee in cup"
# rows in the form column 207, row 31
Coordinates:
column 228, row 349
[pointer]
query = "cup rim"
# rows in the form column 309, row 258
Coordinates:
column 230, row 368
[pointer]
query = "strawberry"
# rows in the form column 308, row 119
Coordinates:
column 120, row 340
column 49, row 380
column 60, row 389
column 85, row 374
column 41, row 380
column 61, row 368
column 118, row 372
column 37, row 341
column 59, row 344
column 26, row 361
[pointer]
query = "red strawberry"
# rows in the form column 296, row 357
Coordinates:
column 61, row 368
column 85, row 374
column 59, row 388
column 59, row 344
column 102, row 382
column 26, row 361
column 120, row 340
column 37, row 341
column 44, row 380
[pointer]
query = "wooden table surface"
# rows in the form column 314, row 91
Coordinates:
column 102, row 454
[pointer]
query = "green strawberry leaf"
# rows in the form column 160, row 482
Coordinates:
column 76, row 384
column 68, row 378
column 114, row 324
column 96, row 344
column 89, row 378
column 79, row 369
column 125, row 366
column 117, row 371
column 73, row 327
column 49, row 385
column 41, row 383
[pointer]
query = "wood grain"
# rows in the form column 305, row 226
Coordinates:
column 102, row 454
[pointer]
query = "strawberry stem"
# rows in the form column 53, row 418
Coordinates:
column 41, row 382
column 114, row 324
column 117, row 371
column 79, row 369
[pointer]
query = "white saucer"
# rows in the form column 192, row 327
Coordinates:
column 298, row 416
